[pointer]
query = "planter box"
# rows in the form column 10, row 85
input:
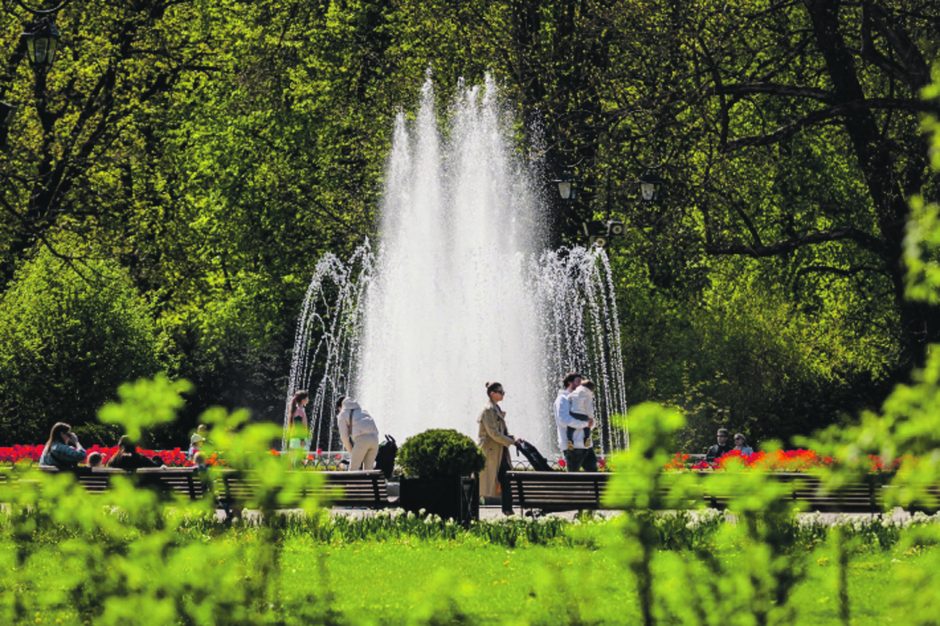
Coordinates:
column 451, row 497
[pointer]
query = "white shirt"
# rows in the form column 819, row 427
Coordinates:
column 353, row 422
column 581, row 402
column 563, row 419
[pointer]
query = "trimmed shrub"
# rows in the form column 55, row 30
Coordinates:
column 440, row 452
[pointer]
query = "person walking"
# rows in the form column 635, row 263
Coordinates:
column 299, row 427
column 582, row 455
column 359, row 434
column 495, row 441
column 62, row 450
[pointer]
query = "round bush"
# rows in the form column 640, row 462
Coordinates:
column 440, row 452
column 66, row 342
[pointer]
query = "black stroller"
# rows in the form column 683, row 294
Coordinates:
column 531, row 453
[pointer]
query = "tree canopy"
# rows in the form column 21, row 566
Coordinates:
column 209, row 152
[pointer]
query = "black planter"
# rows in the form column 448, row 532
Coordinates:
column 450, row 497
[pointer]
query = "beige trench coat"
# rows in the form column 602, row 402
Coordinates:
column 495, row 441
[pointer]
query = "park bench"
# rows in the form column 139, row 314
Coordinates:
column 363, row 489
column 856, row 497
column 184, row 482
column 181, row 481
column 558, row 491
column 583, row 491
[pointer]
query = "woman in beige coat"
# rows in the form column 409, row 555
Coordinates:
column 495, row 441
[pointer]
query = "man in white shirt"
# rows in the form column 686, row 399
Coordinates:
column 581, row 408
column 564, row 420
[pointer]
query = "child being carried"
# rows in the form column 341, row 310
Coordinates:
column 582, row 408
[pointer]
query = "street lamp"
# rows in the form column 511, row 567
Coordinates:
column 650, row 186
column 42, row 41
column 567, row 187
column 600, row 233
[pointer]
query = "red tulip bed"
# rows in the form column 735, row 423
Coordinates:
column 171, row 458
column 777, row 461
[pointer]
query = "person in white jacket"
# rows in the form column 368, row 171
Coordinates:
column 579, row 439
column 359, row 434
column 562, row 407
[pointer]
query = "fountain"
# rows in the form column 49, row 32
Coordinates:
column 459, row 292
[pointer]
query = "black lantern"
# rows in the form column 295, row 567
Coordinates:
column 651, row 185
column 567, row 188
column 42, row 41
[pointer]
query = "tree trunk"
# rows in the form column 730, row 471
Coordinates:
column 919, row 321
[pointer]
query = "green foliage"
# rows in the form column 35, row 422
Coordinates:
column 69, row 335
column 440, row 452
column 216, row 149
column 922, row 244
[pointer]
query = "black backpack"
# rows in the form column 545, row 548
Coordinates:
column 385, row 458
column 531, row 453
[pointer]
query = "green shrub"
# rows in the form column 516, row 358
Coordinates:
column 67, row 340
column 440, row 452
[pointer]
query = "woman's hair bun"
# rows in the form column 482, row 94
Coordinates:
column 487, row 384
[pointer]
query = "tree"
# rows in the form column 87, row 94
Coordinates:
column 67, row 341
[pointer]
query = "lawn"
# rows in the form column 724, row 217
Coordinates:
column 389, row 582
column 469, row 579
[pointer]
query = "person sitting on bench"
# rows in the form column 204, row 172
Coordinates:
column 63, row 449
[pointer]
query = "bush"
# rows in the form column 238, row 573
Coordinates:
column 440, row 452
column 66, row 342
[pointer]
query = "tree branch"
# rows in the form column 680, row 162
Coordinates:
column 788, row 130
column 862, row 238
column 846, row 272
column 775, row 89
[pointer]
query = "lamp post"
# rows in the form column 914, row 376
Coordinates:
column 649, row 186
column 567, row 187
column 42, row 41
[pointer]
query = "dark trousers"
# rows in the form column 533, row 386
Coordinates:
column 505, row 487
column 579, row 459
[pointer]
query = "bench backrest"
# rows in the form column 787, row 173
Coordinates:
column 185, row 482
column 352, row 489
column 560, row 491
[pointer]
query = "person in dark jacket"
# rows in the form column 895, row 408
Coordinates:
column 722, row 447
column 63, row 449
column 127, row 457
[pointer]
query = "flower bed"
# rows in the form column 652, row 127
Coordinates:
column 171, row 458
column 798, row 460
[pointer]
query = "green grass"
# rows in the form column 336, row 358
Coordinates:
column 387, row 582
column 403, row 579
